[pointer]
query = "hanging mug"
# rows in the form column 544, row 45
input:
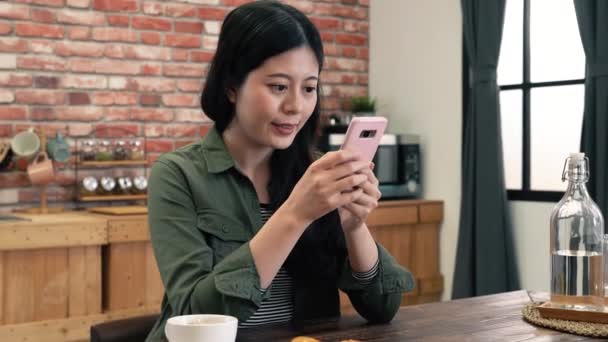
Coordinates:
column 25, row 145
column 6, row 155
column 58, row 148
column 40, row 171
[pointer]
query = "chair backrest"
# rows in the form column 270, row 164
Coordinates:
column 134, row 329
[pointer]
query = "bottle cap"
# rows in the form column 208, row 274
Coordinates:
column 577, row 156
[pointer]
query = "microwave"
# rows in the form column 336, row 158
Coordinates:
column 397, row 164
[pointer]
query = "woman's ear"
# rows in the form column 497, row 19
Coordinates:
column 231, row 93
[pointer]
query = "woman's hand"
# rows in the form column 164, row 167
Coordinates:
column 353, row 215
column 328, row 184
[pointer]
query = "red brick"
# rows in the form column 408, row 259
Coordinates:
column 88, row 113
column 79, row 129
column 42, row 113
column 201, row 56
column 147, row 84
column 182, row 40
column 188, row 26
column 79, row 99
column 68, row 16
column 179, row 55
column 150, row 38
column 326, row 23
column 43, row 16
column 81, row 65
column 364, row 3
column 14, row 180
column 13, row 45
column 182, row 130
column 363, row 79
column 116, row 130
column 65, row 178
column 118, row 20
column 151, row 69
column 13, row 113
column 51, row 3
column 349, row 2
column 180, row 10
column 147, row 52
column 79, row 3
column 6, row 96
column 39, row 30
column 180, row 100
column 349, row 12
column 152, row 158
column 149, row 114
column 212, row 13
column 153, row 8
column 15, row 80
column 6, row 130
column 114, row 34
column 117, row 67
column 51, row 82
column 114, row 51
column 11, row 11
column 39, row 97
column 346, row 64
column 235, row 3
column 304, row 6
column 149, row 100
column 79, row 33
column 116, row 98
column 42, row 46
column 154, row 131
column 364, row 53
column 184, row 70
column 157, row 145
column 323, row 9
column 66, row 49
column 148, row 23
column 349, row 51
column 84, row 81
column 50, row 128
column 190, row 115
column 212, row 27
column 5, row 28
column 189, row 85
column 115, row 5
column 203, row 130
column 118, row 114
column 48, row 63
column 327, row 36
column 351, row 39
column 210, row 42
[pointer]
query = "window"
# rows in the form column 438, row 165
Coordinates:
column 541, row 75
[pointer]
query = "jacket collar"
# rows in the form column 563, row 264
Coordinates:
column 216, row 154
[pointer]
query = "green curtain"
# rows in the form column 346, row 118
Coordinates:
column 592, row 16
column 485, row 261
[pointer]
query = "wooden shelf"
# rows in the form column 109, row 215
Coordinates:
column 113, row 198
column 109, row 163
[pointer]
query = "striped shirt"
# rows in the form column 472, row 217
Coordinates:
column 278, row 307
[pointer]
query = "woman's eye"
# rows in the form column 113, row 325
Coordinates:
column 278, row 87
column 310, row 89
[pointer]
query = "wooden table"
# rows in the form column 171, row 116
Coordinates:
column 488, row 318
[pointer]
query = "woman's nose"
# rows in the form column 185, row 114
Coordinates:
column 293, row 103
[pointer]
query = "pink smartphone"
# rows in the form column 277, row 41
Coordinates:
column 363, row 135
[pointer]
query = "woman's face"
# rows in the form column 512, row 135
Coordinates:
column 276, row 99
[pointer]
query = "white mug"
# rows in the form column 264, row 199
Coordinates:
column 201, row 328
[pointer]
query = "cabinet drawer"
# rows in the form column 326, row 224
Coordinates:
column 128, row 230
column 387, row 216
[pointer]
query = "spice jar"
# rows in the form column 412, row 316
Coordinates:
column 103, row 152
column 108, row 185
column 120, row 151
column 88, row 150
column 88, row 186
column 137, row 152
column 125, row 185
column 140, row 185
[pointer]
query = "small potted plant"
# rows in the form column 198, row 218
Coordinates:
column 363, row 106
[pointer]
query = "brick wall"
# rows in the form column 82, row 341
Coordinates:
column 100, row 68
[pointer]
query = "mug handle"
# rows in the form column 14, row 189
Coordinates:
column 44, row 157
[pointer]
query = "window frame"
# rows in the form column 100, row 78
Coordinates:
column 526, row 193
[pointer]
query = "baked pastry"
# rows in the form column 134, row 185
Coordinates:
column 304, row 339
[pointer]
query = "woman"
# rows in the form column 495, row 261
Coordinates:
column 246, row 222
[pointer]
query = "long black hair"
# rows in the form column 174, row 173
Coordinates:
column 250, row 35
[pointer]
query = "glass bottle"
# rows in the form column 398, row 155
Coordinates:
column 577, row 230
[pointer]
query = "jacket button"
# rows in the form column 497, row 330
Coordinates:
column 224, row 229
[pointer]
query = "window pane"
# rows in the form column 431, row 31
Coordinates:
column 556, row 51
column 512, row 137
column 510, row 62
column 556, row 123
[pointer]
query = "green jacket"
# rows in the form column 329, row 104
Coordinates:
column 202, row 214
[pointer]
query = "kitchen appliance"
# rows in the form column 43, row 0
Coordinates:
column 397, row 163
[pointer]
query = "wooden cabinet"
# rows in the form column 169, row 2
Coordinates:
column 409, row 230
column 62, row 273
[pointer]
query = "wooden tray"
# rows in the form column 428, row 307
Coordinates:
column 549, row 310
column 124, row 210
